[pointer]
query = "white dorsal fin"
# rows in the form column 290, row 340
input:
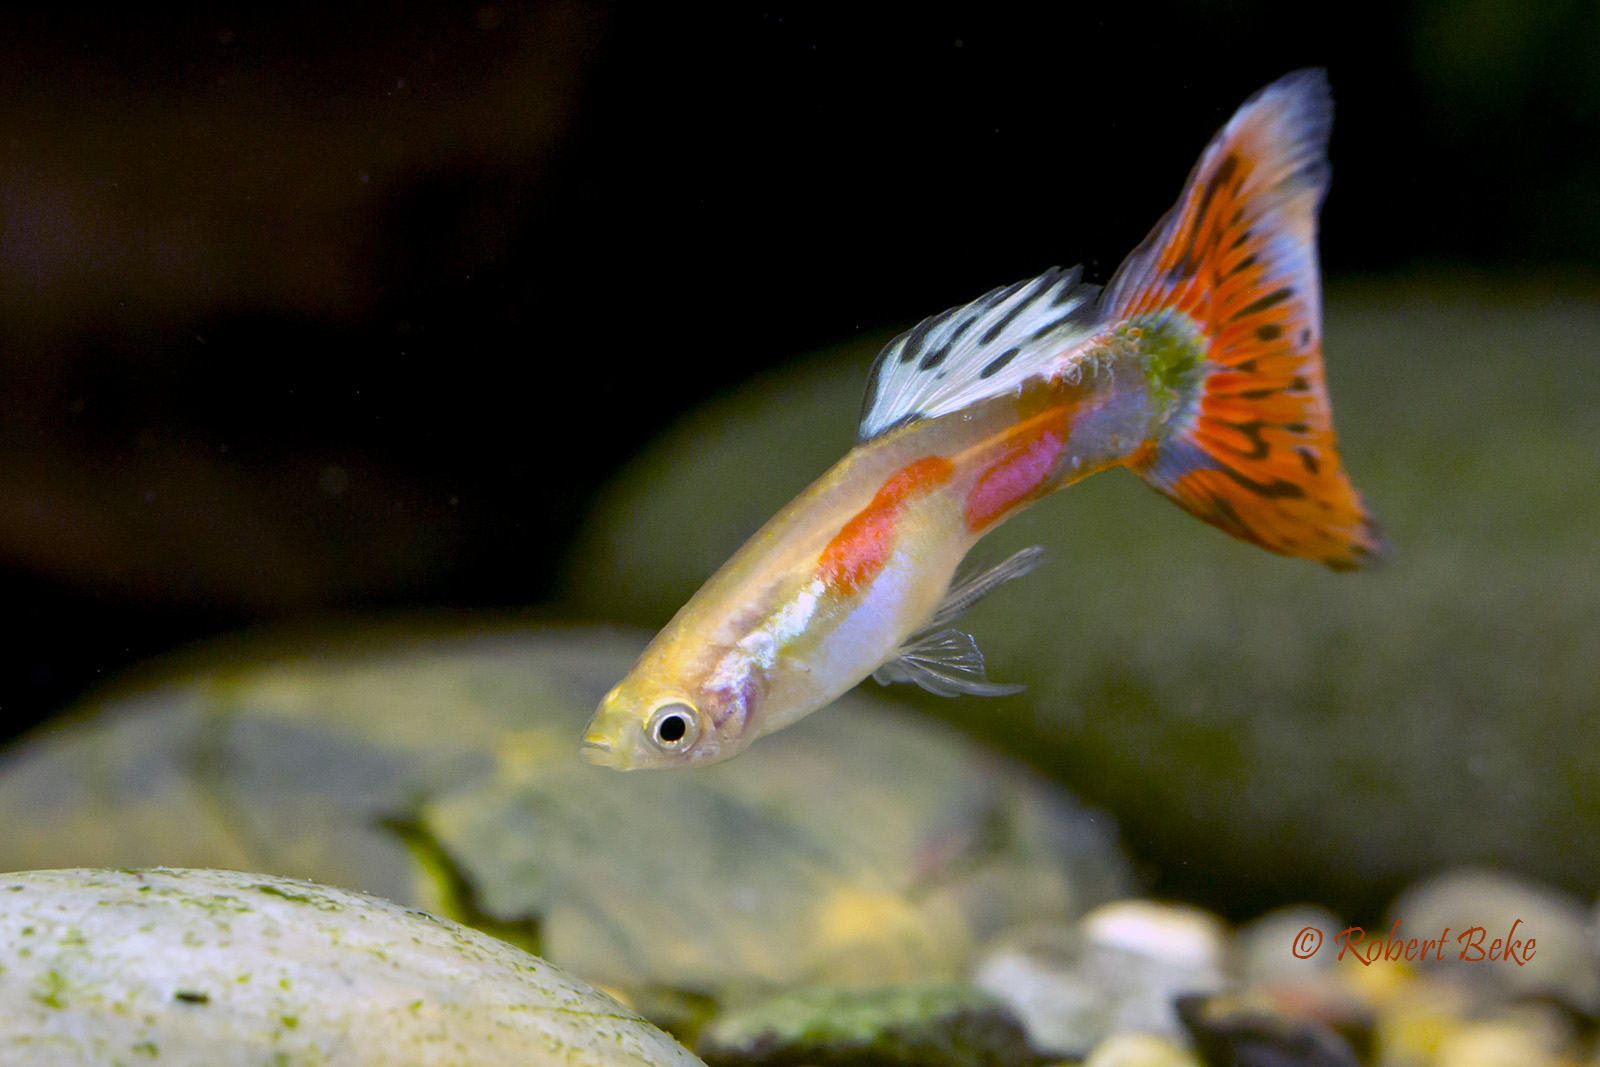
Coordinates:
column 986, row 348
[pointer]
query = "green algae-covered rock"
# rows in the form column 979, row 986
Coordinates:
column 219, row 968
column 917, row 1025
column 862, row 846
column 1263, row 729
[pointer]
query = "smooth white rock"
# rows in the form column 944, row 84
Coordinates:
column 219, row 968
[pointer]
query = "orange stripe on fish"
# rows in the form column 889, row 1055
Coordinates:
column 859, row 551
column 1021, row 470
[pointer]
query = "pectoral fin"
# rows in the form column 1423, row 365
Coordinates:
column 945, row 662
column 965, row 592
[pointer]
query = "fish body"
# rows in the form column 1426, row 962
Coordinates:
column 1199, row 367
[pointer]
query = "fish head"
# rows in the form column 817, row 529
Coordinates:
column 647, row 722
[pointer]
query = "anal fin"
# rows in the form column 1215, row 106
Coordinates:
column 945, row 661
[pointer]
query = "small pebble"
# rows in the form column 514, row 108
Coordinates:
column 1249, row 1031
column 1546, row 943
column 1116, row 972
column 1413, row 1014
column 1041, row 975
column 1496, row 1043
column 1288, row 945
column 1184, row 938
column 1139, row 1050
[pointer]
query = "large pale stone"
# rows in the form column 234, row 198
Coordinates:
column 218, row 968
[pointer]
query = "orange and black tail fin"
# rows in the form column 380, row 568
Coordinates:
column 1250, row 445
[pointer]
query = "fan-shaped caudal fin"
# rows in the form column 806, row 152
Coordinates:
column 1230, row 275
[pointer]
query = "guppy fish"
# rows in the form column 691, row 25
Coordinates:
column 1199, row 367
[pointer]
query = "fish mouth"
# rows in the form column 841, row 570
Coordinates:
column 597, row 750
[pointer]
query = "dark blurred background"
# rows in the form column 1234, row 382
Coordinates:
column 353, row 307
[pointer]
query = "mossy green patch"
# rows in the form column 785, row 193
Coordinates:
column 219, row 904
column 925, row 1024
column 1170, row 350
column 48, row 988
column 318, row 901
column 455, row 894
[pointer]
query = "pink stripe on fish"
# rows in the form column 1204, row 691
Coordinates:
column 1025, row 461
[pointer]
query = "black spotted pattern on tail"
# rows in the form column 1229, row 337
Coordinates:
column 1251, row 447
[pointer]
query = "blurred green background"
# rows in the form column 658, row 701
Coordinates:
column 315, row 311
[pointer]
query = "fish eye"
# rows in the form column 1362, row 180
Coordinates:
column 673, row 727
